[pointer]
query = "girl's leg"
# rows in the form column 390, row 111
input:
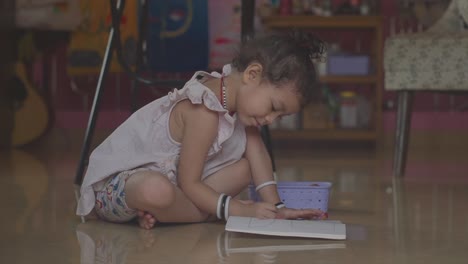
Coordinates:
column 232, row 179
column 152, row 192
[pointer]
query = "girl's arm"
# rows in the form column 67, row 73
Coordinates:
column 261, row 168
column 200, row 128
column 260, row 165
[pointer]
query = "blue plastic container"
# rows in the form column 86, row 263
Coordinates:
column 300, row 195
column 346, row 64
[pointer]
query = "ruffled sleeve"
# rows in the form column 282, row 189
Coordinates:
column 197, row 93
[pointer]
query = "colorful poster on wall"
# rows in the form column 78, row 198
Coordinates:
column 183, row 35
column 225, row 31
column 178, row 35
column 88, row 43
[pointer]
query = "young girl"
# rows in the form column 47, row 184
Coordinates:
column 185, row 156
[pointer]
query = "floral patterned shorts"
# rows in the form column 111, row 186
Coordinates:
column 110, row 201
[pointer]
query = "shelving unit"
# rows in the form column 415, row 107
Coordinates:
column 375, row 79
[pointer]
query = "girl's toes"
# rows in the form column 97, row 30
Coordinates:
column 152, row 220
column 146, row 221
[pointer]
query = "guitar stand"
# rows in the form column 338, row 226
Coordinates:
column 247, row 29
column 94, row 111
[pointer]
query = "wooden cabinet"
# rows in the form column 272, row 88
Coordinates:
column 370, row 24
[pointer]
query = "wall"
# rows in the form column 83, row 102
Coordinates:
column 72, row 97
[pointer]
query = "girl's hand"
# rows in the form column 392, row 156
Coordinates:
column 261, row 210
column 311, row 214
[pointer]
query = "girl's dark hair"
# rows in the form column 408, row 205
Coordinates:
column 285, row 58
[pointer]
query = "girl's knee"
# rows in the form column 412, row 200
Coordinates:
column 155, row 190
column 159, row 191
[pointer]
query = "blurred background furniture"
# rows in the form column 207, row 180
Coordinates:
column 114, row 39
column 7, row 58
column 362, row 24
column 433, row 60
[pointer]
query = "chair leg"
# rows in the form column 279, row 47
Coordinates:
column 402, row 132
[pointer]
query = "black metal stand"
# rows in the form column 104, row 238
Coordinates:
column 142, row 30
column 248, row 13
column 100, row 85
column 95, row 107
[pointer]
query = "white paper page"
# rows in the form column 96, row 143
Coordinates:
column 291, row 228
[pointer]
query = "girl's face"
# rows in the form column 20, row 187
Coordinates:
column 261, row 103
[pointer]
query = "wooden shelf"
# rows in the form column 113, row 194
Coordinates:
column 325, row 134
column 372, row 79
column 375, row 80
column 322, row 22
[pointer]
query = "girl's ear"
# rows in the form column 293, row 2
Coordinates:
column 253, row 73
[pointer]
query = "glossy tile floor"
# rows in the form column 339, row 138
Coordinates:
column 420, row 219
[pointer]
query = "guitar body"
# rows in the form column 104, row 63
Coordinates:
column 31, row 115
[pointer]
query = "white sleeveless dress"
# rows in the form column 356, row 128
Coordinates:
column 144, row 141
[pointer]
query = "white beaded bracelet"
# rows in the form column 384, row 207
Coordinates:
column 226, row 208
column 218, row 208
column 264, row 184
column 279, row 205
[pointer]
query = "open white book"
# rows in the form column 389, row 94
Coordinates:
column 290, row 228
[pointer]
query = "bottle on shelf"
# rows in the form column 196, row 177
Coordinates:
column 348, row 116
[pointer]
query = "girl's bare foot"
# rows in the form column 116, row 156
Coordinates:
column 146, row 220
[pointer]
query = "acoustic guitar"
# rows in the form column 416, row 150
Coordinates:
column 30, row 115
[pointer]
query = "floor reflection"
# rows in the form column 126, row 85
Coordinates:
column 422, row 218
column 428, row 221
column 25, row 180
column 193, row 243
